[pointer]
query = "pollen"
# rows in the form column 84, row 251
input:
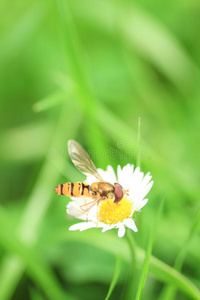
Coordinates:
column 112, row 213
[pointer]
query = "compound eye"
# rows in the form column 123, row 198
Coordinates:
column 118, row 192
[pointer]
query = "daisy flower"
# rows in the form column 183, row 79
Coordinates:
column 109, row 215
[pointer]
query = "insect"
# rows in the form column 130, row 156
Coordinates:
column 97, row 191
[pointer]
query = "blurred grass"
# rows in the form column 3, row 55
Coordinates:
column 152, row 233
column 87, row 70
column 169, row 291
column 115, row 277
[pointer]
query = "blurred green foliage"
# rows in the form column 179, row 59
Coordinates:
column 87, row 70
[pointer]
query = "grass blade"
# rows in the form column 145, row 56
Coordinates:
column 23, row 30
column 111, row 244
column 37, row 269
column 138, row 148
column 139, row 28
column 50, row 101
column 11, row 269
column 133, row 272
column 115, row 277
column 169, row 291
column 78, row 73
column 75, row 58
column 194, row 230
column 148, row 253
column 35, row 209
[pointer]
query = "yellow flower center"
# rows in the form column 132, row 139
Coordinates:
column 111, row 213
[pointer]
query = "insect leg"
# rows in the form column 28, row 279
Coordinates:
column 92, row 202
column 110, row 205
column 87, row 209
column 126, row 192
column 97, row 213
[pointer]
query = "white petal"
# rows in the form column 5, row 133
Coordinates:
column 136, row 174
column 146, row 179
column 108, row 227
column 108, row 175
column 76, row 226
column 140, row 187
column 125, row 175
column 90, row 179
column 121, row 230
column 82, row 226
column 142, row 204
column 77, row 214
column 112, row 174
column 100, row 224
column 86, row 212
column 119, row 171
column 73, row 209
column 128, row 168
column 147, row 189
column 130, row 224
column 140, row 178
column 88, row 225
column 135, row 183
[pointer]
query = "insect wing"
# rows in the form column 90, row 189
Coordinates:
column 81, row 159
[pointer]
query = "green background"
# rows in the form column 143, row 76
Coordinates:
column 87, row 70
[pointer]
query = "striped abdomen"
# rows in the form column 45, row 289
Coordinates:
column 75, row 189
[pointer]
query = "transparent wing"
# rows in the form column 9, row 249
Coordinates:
column 81, row 159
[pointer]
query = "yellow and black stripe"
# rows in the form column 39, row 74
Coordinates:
column 74, row 189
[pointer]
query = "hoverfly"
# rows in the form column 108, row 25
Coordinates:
column 97, row 191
